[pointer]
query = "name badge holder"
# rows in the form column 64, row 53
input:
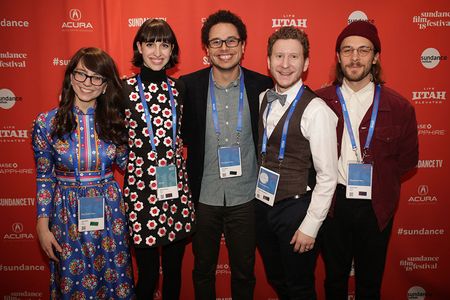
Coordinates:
column 166, row 176
column 267, row 183
column 91, row 210
column 359, row 181
column 166, row 179
column 229, row 157
column 359, row 174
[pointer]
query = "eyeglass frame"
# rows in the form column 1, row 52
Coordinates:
column 226, row 41
column 359, row 50
column 86, row 76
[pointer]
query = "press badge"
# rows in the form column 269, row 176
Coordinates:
column 359, row 181
column 266, row 186
column 166, row 182
column 229, row 162
column 91, row 213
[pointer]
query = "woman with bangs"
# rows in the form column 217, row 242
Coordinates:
column 156, row 192
column 81, row 221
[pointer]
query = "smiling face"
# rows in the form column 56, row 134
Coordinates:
column 225, row 58
column 155, row 54
column 85, row 92
column 356, row 68
column 286, row 63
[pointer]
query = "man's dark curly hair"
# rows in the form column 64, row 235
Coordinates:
column 223, row 16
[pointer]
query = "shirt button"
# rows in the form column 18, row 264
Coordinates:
column 226, row 140
column 226, row 122
column 226, row 106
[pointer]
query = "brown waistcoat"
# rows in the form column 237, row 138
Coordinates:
column 296, row 170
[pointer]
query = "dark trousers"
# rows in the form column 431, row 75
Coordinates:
column 148, row 264
column 353, row 234
column 238, row 226
column 290, row 273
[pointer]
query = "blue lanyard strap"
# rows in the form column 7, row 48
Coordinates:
column 285, row 126
column 148, row 117
column 215, row 115
column 373, row 118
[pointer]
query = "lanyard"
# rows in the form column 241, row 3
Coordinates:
column 148, row 118
column 373, row 118
column 285, row 126
column 214, row 106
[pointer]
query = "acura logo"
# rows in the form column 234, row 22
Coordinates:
column 422, row 190
column 17, row 227
column 75, row 14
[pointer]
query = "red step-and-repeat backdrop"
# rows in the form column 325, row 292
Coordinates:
column 39, row 37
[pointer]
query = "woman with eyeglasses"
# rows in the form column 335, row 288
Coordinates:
column 160, row 211
column 81, row 221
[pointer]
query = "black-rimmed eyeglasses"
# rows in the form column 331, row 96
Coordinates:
column 231, row 42
column 95, row 79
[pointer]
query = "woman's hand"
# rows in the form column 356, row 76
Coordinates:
column 47, row 239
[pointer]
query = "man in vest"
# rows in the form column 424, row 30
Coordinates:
column 377, row 134
column 298, row 168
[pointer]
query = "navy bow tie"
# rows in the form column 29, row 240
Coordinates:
column 272, row 96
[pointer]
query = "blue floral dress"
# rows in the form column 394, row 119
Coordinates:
column 94, row 264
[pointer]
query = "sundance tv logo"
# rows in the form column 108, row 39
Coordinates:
column 8, row 99
column 423, row 196
column 290, row 20
column 75, row 23
column 430, row 163
column 417, row 293
column 431, row 57
column 17, row 233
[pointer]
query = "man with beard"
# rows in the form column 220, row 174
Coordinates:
column 377, row 145
column 220, row 129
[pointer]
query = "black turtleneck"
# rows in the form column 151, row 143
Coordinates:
column 148, row 75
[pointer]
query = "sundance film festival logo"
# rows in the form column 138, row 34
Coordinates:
column 358, row 15
column 137, row 22
column 417, row 263
column 423, row 196
column 432, row 19
column 75, row 23
column 290, row 20
column 8, row 100
column 17, row 233
column 417, row 293
column 429, row 96
column 428, row 129
column 13, row 60
column 10, row 134
column 431, row 57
